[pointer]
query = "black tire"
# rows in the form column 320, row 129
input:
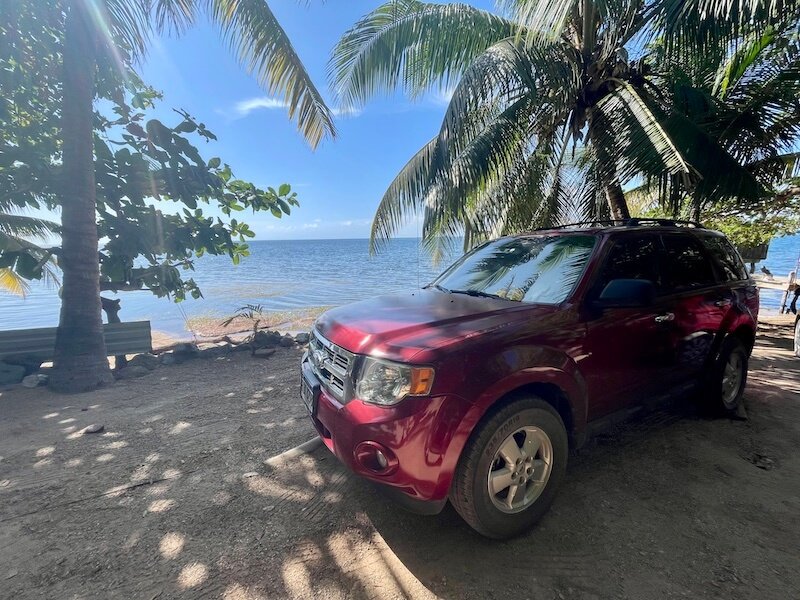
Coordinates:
column 719, row 397
column 470, row 493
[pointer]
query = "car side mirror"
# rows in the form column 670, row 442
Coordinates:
column 627, row 293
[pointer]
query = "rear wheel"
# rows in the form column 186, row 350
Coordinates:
column 729, row 377
column 511, row 469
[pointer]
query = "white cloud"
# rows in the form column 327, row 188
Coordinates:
column 346, row 112
column 245, row 107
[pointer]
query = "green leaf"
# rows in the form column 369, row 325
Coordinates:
column 214, row 163
column 284, row 189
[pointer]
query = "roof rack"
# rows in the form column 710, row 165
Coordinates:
column 633, row 222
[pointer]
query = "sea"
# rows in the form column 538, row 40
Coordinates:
column 286, row 276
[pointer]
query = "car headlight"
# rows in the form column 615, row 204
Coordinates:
column 387, row 383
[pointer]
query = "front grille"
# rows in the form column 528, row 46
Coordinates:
column 331, row 364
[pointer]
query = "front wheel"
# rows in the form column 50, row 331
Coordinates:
column 511, row 469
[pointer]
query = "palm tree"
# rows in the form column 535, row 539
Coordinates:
column 22, row 259
column 99, row 32
column 555, row 109
column 748, row 102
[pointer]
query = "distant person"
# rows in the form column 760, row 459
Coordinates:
column 797, row 337
column 793, row 310
column 767, row 273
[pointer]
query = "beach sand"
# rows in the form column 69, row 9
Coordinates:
column 175, row 499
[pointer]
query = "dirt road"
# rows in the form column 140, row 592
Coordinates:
column 174, row 500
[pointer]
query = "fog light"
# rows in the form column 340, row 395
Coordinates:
column 375, row 458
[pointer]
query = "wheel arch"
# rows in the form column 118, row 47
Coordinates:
column 747, row 335
column 547, row 391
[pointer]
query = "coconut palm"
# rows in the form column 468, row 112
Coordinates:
column 555, row 109
column 99, row 33
column 747, row 101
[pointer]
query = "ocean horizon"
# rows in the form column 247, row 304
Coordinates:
column 287, row 276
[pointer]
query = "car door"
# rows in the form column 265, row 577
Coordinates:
column 628, row 351
column 702, row 300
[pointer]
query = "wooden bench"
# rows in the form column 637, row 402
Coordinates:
column 121, row 338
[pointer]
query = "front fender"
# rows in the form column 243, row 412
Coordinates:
column 544, row 366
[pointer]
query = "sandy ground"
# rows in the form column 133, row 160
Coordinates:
column 175, row 500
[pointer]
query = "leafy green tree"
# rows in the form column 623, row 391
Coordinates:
column 151, row 186
column 557, row 106
column 97, row 41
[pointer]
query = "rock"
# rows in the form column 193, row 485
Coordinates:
column 187, row 349
column 131, row 372
column 31, row 362
column 265, row 339
column 249, row 475
column 762, row 461
column 35, row 380
column 146, row 360
column 287, row 341
column 264, row 352
column 11, row 373
column 169, row 358
column 93, row 428
column 241, row 347
column 302, row 338
column 215, row 350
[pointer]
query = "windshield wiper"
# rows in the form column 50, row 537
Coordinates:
column 477, row 294
column 436, row 286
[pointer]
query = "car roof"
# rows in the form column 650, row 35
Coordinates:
column 621, row 227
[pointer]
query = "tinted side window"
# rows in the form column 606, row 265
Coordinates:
column 726, row 256
column 684, row 265
column 631, row 257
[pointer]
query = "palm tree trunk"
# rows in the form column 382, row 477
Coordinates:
column 80, row 362
column 697, row 207
column 616, row 202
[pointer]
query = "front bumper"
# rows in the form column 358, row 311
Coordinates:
column 421, row 436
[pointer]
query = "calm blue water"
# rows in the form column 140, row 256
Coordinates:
column 284, row 275
column 281, row 275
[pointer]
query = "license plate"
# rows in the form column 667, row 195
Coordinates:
column 307, row 395
column 309, row 391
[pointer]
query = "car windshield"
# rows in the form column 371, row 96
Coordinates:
column 536, row 269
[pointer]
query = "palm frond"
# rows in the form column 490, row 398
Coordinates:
column 174, row 15
column 404, row 199
column 251, row 29
column 732, row 71
column 411, row 44
column 543, row 20
column 630, row 139
column 23, row 225
column 12, row 283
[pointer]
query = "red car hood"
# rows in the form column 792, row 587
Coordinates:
column 402, row 326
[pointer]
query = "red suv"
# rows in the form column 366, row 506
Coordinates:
column 474, row 388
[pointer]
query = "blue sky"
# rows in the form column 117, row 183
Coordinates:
column 340, row 184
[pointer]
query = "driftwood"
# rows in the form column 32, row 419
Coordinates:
column 111, row 308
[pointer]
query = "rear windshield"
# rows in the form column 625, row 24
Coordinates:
column 542, row 270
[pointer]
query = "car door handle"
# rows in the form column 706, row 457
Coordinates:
column 665, row 318
column 724, row 303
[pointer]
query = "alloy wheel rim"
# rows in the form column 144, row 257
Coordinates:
column 520, row 469
column 732, row 378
